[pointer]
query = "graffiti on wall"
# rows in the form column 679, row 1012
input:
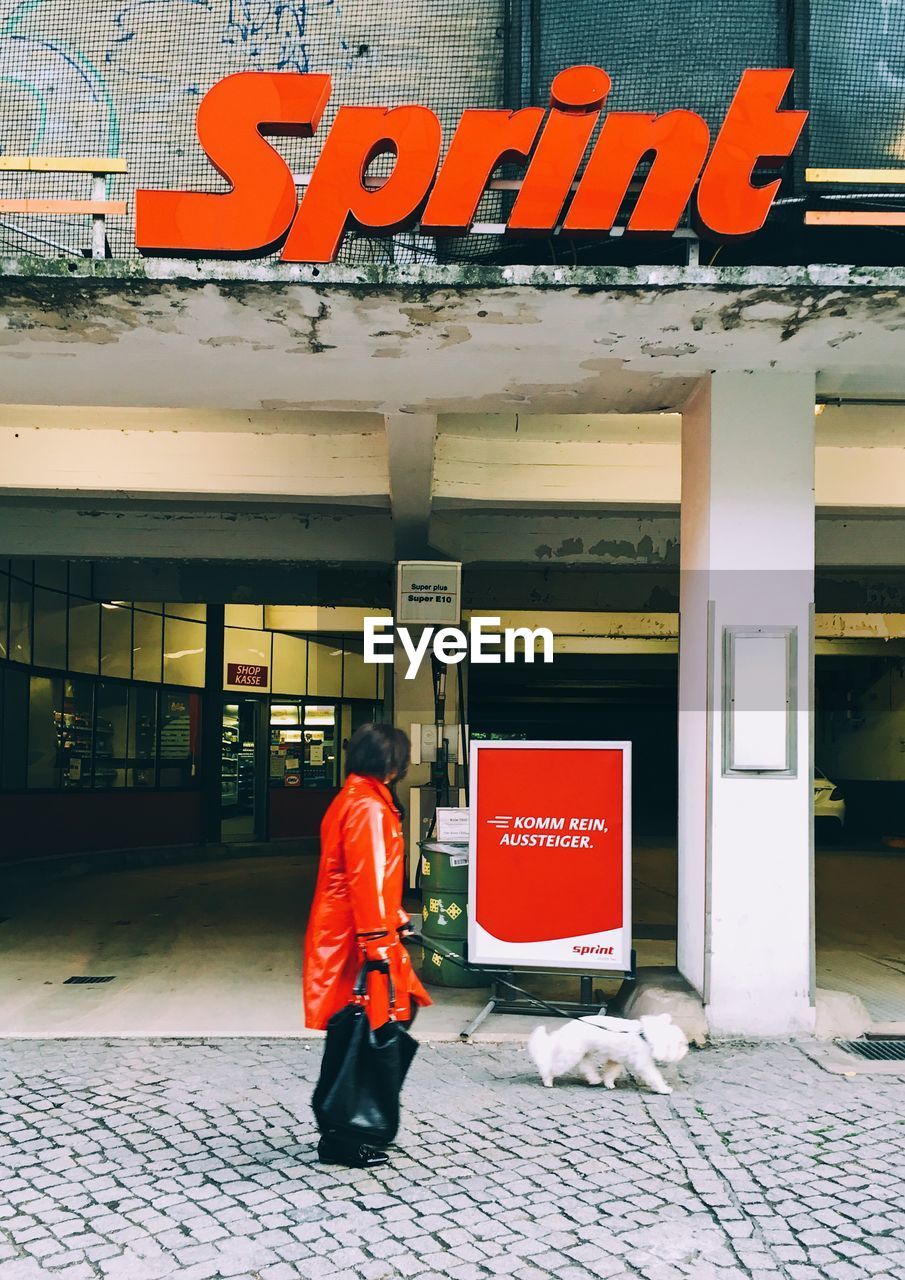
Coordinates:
column 124, row 78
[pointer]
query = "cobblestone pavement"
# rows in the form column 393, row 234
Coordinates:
column 137, row 1161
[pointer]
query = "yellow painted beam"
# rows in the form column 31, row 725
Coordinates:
column 62, row 164
column 99, row 208
column 854, row 218
column 857, row 177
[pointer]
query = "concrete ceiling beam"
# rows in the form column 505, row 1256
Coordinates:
column 411, row 439
column 207, row 533
column 178, row 464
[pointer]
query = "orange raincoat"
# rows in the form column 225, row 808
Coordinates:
column 359, row 892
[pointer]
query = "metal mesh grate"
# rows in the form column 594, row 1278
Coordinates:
column 661, row 54
column 80, row 980
column 885, row 1049
column 124, row 78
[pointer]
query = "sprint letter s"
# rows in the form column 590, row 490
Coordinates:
column 254, row 216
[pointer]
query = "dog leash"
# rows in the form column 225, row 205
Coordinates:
column 510, row 986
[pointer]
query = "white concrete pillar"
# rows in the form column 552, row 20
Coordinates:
column 414, row 704
column 745, row 766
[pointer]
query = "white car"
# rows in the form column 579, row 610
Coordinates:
column 828, row 799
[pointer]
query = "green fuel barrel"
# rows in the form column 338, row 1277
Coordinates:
column 444, row 916
column 441, row 870
column 438, row 971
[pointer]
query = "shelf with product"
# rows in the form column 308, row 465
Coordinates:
column 237, row 771
column 105, row 769
column 79, row 741
column 303, row 745
column 245, row 762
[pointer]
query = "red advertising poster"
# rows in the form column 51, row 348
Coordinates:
column 550, row 863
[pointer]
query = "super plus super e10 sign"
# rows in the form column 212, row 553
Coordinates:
column 428, row 591
column 550, row 863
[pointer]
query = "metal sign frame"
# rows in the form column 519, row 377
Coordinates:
column 409, row 615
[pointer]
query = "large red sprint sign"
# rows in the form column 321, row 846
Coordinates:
column 260, row 211
column 550, row 863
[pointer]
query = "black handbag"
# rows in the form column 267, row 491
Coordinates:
column 362, row 1072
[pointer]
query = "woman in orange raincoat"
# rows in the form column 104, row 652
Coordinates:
column 357, row 914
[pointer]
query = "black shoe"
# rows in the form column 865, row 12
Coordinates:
column 330, row 1151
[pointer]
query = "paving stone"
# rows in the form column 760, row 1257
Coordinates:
column 196, row 1159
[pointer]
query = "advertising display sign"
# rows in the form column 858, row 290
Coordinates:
column 453, row 824
column 550, row 868
column 428, row 591
column 438, row 187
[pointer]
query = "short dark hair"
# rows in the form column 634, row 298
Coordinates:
column 377, row 750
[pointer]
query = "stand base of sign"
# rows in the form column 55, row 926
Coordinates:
column 501, row 1002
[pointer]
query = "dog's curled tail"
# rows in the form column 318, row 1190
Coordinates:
column 538, row 1048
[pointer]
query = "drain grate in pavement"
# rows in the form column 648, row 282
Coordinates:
column 82, row 980
column 877, row 1049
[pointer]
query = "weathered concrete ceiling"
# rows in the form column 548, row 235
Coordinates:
column 582, row 538
column 210, row 531
column 434, row 339
column 487, row 587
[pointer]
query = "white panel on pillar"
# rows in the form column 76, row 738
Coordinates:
column 759, row 724
column 745, row 832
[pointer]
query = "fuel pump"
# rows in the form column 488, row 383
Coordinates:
column 440, row 765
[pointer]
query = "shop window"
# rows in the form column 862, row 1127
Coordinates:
column 286, row 744
column 320, row 760
column 180, row 726
column 290, row 664
column 84, row 635
column 237, row 773
column 110, row 729
column 193, row 612
column 52, row 573
column 250, row 616
column 325, row 668
column 142, row 753
column 14, row 729
column 45, row 709
column 77, row 735
column 364, row 713
column 359, row 677
column 183, row 652
column 4, row 612
column 22, row 569
column 147, row 645
column 116, row 640
column 303, row 744
column 345, row 733
column 20, row 594
column 354, row 715
column 49, row 629
column 247, row 648
column 80, row 579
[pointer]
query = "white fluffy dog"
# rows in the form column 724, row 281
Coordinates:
column 602, row 1048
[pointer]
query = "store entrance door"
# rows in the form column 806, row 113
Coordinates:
column 242, row 811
